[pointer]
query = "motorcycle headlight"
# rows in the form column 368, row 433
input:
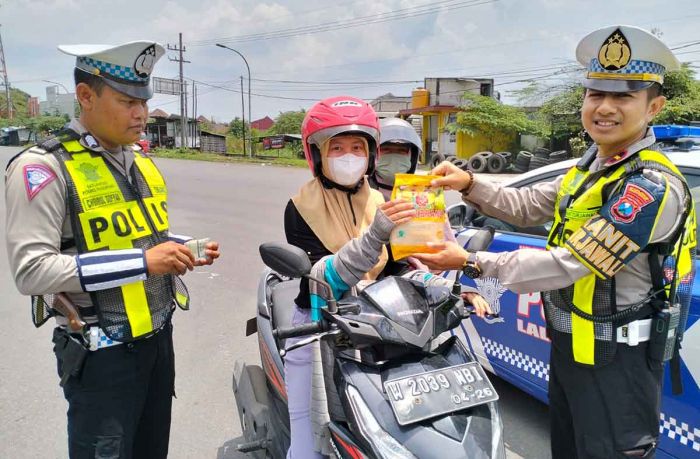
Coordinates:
column 383, row 444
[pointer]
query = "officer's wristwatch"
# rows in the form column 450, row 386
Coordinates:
column 470, row 268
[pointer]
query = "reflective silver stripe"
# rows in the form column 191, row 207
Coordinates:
column 115, row 283
column 113, row 267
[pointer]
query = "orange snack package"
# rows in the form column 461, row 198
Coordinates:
column 429, row 223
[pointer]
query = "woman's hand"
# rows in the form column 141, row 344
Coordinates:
column 398, row 211
column 481, row 307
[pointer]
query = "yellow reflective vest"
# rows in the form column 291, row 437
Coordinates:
column 601, row 246
column 108, row 212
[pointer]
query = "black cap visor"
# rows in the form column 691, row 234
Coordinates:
column 615, row 85
column 142, row 91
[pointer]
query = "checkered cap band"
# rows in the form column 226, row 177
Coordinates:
column 634, row 67
column 116, row 71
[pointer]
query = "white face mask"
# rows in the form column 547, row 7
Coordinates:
column 348, row 169
column 391, row 164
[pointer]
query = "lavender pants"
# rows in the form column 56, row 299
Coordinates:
column 298, row 370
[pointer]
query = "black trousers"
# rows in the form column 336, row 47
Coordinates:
column 120, row 405
column 604, row 412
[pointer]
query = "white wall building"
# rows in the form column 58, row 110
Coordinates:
column 57, row 104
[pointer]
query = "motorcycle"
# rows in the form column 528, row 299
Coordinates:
column 397, row 387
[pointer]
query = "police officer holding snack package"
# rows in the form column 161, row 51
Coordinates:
column 616, row 275
column 88, row 238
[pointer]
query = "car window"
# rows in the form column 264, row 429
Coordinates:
column 537, row 231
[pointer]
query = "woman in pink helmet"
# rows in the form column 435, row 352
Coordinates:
column 340, row 137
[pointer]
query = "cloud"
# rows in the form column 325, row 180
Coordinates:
column 504, row 39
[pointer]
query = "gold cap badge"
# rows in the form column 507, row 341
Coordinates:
column 615, row 52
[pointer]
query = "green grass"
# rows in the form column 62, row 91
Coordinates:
column 196, row 155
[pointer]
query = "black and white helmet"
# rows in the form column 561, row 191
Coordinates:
column 399, row 131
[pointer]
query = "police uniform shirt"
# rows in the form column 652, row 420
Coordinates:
column 35, row 225
column 533, row 270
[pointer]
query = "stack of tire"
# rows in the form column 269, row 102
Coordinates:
column 540, row 157
column 486, row 161
column 436, row 159
column 526, row 161
column 459, row 162
column 543, row 156
column 522, row 162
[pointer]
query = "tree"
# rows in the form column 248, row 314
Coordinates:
column 18, row 99
column 561, row 113
column 288, row 122
column 682, row 92
column 488, row 117
column 237, row 128
column 39, row 124
column 46, row 124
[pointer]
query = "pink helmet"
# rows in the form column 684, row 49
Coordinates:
column 334, row 116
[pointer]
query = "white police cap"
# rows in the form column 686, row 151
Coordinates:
column 622, row 58
column 126, row 68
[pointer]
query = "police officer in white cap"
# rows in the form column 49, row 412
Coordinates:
column 88, row 238
column 616, row 275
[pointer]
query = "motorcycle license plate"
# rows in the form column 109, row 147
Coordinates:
column 433, row 393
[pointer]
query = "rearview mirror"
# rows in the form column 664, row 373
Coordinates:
column 286, row 259
column 481, row 240
column 460, row 215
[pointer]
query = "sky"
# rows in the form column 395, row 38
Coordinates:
column 300, row 53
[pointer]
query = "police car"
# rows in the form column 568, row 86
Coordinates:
column 515, row 345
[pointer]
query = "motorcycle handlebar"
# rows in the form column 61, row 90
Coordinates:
column 299, row 330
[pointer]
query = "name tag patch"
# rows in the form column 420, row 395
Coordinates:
column 36, row 177
column 632, row 201
column 602, row 247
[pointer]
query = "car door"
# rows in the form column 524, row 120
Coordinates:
column 680, row 414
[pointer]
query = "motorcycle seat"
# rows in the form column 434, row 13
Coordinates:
column 282, row 298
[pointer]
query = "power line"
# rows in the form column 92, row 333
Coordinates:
column 472, row 48
column 337, row 82
column 312, row 28
column 223, row 88
column 688, row 45
column 405, row 13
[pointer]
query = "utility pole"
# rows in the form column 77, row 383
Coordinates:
column 250, row 117
column 194, row 116
column 243, row 115
column 6, row 83
column 183, row 101
column 187, row 115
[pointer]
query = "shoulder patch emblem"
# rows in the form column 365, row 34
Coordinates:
column 36, row 177
column 632, row 201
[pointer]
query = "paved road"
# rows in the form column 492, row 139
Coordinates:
column 241, row 206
